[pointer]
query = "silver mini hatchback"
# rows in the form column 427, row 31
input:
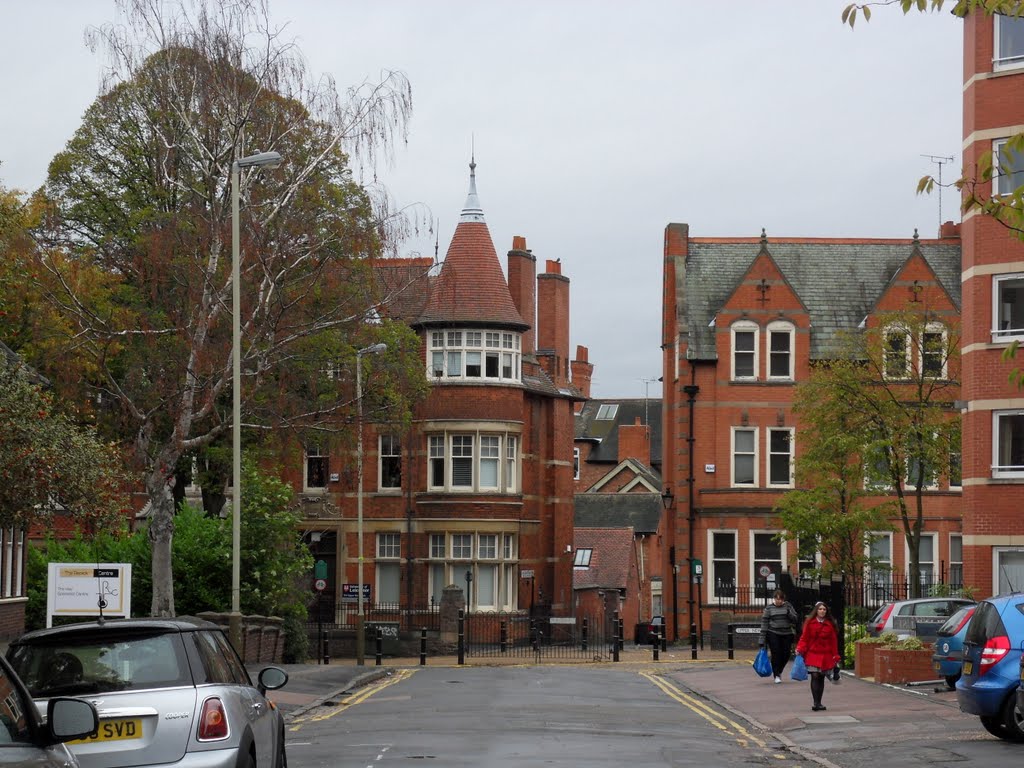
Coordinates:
column 171, row 692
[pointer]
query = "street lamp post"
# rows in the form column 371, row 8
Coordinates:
column 373, row 349
column 260, row 160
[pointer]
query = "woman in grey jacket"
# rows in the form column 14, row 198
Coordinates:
column 778, row 630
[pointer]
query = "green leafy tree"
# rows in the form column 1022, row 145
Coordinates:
column 50, row 464
column 893, row 389
column 830, row 510
column 275, row 569
column 137, row 248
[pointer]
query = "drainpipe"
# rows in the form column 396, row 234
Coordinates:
column 691, row 391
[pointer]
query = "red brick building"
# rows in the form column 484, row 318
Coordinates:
column 482, row 484
column 743, row 320
column 617, row 461
column 993, row 311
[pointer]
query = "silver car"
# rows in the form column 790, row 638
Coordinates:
column 169, row 691
column 25, row 740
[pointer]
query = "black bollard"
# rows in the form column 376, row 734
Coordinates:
column 423, row 647
column 729, row 641
column 504, row 636
column 380, row 646
column 326, row 651
column 693, row 641
column 585, row 626
column 462, row 636
column 656, row 645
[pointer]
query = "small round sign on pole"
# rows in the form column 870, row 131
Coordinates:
column 764, row 571
column 320, row 585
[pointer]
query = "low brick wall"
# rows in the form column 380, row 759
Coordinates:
column 864, row 659
column 262, row 636
column 898, row 666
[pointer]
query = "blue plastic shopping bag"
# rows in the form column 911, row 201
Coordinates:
column 762, row 665
column 799, row 670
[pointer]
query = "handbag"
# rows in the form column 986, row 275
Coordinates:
column 799, row 670
column 762, row 665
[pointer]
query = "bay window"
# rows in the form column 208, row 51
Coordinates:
column 473, row 461
column 470, row 355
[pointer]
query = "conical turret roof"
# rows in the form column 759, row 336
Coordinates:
column 471, row 287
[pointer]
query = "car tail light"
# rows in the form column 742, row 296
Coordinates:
column 213, row 723
column 884, row 618
column 995, row 649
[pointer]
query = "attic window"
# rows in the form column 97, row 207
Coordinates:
column 582, row 558
column 607, row 411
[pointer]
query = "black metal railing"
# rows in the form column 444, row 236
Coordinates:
column 345, row 616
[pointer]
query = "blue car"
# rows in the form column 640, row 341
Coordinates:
column 948, row 658
column 991, row 669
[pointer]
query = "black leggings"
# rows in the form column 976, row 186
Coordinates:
column 817, row 686
column 778, row 649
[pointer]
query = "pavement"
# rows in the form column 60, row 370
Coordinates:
column 859, row 711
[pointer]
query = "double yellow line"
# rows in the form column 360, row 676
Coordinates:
column 356, row 698
column 719, row 720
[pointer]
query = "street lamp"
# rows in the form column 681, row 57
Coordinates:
column 373, row 349
column 260, row 160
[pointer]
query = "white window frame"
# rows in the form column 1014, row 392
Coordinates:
column 712, row 579
column 575, row 463
column 389, row 573
column 744, row 326
column 934, row 571
column 606, row 411
column 393, row 445
column 883, row 573
column 733, row 454
column 474, row 355
column 933, row 329
column 389, row 545
column 1005, row 470
column 791, row 452
column 956, row 565
column 479, row 447
column 481, row 553
column 890, row 332
column 999, row 572
column 753, row 570
column 786, row 329
column 999, row 334
column 313, row 452
column 1013, row 61
column 581, row 557
column 1003, row 184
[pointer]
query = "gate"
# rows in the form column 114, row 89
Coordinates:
column 548, row 638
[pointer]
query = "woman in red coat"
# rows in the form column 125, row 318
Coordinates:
column 819, row 645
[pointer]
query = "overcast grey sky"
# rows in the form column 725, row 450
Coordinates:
column 595, row 125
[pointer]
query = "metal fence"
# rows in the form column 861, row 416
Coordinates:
column 345, row 616
column 517, row 635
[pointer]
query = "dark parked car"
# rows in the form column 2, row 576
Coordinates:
column 25, row 740
column 948, row 658
column 169, row 691
column 991, row 671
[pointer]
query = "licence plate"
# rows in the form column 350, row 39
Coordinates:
column 968, row 667
column 114, row 730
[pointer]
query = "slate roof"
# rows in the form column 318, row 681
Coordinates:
column 605, row 432
column 640, row 512
column 609, row 561
column 838, row 280
column 471, row 288
column 404, row 285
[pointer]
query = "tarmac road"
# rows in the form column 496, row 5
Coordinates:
column 866, row 724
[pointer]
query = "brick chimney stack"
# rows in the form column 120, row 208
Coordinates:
column 522, row 281
column 553, row 322
column 582, row 374
column 635, row 442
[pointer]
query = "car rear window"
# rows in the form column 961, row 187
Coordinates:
column 69, row 665
column 984, row 624
column 953, row 622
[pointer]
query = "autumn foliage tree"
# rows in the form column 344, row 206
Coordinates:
column 137, row 250
column 888, row 403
